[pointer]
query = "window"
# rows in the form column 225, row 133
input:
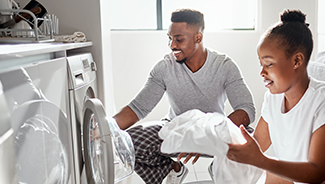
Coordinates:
column 155, row 14
column 133, row 14
column 321, row 25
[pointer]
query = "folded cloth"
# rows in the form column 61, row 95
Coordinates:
column 195, row 130
column 209, row 133
column 74, row 38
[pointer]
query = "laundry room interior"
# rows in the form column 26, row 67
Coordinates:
column 68, row 68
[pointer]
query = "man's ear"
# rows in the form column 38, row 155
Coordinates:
column 299, row 59
column 198, row 37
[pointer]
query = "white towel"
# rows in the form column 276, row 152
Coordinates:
column 209, row 133
column 74, row 38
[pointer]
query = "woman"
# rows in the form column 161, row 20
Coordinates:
column 293, row 113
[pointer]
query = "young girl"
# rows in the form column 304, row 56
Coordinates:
column 293, row 113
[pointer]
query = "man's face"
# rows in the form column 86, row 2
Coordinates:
column 182, row 40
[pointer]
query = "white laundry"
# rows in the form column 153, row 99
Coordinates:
column 75, row 37
column 124, row 158
column 209, row 133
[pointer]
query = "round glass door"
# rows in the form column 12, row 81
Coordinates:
column 97, row 144
column 95, row 150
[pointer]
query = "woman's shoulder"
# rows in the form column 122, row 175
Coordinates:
column 268, row 96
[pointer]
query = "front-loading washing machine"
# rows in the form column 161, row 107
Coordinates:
column 103, row 153
column 36, row 96
column 7, row 150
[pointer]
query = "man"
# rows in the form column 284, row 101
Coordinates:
column 193, row 78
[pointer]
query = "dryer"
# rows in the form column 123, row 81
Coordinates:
column 103, row 152
column 7, row 160
column 36, row 97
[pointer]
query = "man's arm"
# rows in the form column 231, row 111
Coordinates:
column 239, row 117
column 126, row 118
column 239, row 95
column 146, row 99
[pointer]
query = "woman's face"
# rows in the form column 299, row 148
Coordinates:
column 276, row 69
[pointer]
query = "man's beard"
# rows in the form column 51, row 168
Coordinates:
column 181, row 61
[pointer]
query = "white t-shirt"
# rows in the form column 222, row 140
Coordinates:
column 291, row 132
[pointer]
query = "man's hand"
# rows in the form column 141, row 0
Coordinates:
column 189, row 156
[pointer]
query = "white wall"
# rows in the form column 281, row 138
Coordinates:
column 92, row 18
column 134, row 53
column 321, row 25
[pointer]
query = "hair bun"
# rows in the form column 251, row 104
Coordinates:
column 293, row 16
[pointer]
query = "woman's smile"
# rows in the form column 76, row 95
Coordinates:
column 268, row 83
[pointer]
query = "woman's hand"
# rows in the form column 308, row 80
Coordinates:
column 248, row 153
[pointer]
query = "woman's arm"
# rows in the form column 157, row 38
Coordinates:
column 312, row 171
column 261, row 134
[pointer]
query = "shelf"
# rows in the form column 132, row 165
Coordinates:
column 44, row 33
column 12, row 56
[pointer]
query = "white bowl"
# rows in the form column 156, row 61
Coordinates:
column 23, row 29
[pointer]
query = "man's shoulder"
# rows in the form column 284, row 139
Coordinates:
column 215, row 52
column 164, row 63
column 219, row 59
column 218, row 56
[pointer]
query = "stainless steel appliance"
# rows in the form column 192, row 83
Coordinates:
column 7, row 151
column 103, row 153
column 36, row 96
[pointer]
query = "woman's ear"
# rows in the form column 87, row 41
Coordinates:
column 298, row 59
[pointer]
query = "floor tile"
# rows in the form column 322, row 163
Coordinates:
column 133, row 179
column 203, row 176
column 202, row 165
column 190, row 177
column 190, row 167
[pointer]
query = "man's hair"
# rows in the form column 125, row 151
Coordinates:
column 190, row 16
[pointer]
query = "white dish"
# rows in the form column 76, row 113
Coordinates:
column 25, row 40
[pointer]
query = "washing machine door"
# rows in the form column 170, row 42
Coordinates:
column 41, row 134
column 7, row 149
column 109, row 152
column 97, row 144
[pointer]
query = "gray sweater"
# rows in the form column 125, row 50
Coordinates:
column 207, row 89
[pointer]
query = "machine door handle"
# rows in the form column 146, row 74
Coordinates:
column 93, row 66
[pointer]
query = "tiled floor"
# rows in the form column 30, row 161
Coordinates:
column 197, row 172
